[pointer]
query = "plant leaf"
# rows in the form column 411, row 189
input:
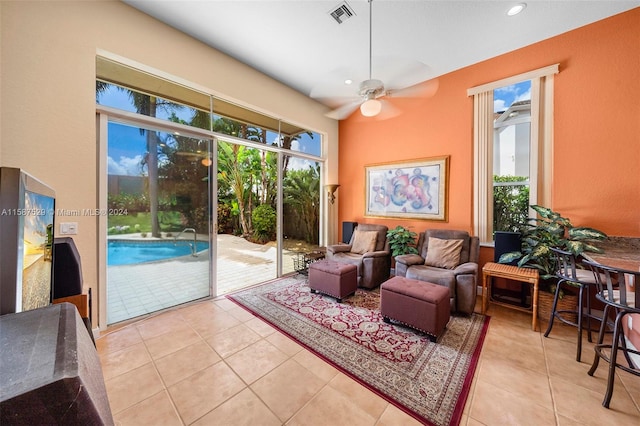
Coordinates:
column 592, row 248
column 543, row 211
column 584, row 233
column 509, row 257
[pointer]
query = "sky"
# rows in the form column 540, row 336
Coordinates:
column 40, row 208
column 127, row 146
column 505, row 96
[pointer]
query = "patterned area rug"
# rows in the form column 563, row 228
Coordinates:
column 429, row 381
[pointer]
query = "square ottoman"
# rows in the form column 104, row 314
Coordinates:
column 335, row 279
column 418, row 304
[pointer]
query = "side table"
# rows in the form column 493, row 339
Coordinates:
column 302, row 261
column 515, row 273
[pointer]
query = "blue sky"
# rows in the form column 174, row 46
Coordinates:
column 125, row 150
column 505, row 96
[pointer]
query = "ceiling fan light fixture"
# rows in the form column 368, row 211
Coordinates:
column 371, row 107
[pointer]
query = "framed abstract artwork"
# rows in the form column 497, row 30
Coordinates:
column 416, row 189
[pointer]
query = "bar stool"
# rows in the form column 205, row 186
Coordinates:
column 612, row 291
column 570, row 276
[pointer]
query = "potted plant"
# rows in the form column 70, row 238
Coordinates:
column 401, row 241
column 551, row 230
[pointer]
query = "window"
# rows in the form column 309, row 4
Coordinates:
column 500, row 147
column 511, row 155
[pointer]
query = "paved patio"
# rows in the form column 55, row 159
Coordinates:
column 139, row 289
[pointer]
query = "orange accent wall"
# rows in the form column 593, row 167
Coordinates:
column 596, row 170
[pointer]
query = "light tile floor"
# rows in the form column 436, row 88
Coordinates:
column 213, row 363
column 140, row 289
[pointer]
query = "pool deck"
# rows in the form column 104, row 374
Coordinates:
column 140, row 289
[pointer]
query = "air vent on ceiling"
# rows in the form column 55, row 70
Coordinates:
column 342, row 12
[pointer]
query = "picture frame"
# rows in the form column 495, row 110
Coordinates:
column 412, row 189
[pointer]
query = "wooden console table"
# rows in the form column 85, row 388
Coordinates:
column 515, row 273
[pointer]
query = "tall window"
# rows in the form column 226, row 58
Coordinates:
column 511, row 155
column 504, row 163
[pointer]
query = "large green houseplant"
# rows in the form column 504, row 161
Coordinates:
column 551, row 230
column 401, row 241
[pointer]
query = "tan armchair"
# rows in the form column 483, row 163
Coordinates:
column 460, row 273
column 373, row 262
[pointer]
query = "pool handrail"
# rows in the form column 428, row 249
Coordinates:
column 194, row 247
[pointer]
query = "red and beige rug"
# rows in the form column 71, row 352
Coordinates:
column 429, row 381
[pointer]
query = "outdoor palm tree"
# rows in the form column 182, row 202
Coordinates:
column 230, row 169
column 302, row 192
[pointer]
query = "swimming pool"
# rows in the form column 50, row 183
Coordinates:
column 127, row 252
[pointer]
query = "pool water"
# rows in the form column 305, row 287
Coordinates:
column 121, row 252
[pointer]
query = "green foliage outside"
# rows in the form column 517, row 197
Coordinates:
column 264, row 223
column 510, row 203
column 129, row 202
column 178, row 183
column 141, row 223
column 302, row 199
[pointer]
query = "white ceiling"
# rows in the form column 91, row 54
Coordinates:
column 301, row 45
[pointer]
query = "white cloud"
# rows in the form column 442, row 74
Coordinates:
column 296, row 163
column 507, row 89
column 295, row 145
column 499, row 105
column 129, row 166
column 526, row 96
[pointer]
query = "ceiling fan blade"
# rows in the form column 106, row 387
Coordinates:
column 388, row 111
column 426, row 89
column 338, row 101
column 398, row 72
column 344, row 111
column 332, row 89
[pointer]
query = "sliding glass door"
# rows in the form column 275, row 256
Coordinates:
column 247, row 213
column 158, row 221
column 204, row 198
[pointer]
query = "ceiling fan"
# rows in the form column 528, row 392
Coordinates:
column 371, row 94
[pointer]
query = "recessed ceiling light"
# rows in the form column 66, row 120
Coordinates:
column 516, row 9
column 348, row 81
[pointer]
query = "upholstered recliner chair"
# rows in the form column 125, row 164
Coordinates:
column 369, row 251
column 448, row 258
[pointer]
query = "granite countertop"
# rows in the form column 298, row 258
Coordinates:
column 620, row 252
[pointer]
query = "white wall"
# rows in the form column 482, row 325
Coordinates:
column 47, row 93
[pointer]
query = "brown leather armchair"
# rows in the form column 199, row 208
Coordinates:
column 461, row 276
column 373, row 266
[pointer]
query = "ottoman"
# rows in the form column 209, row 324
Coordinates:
column 417, row 304
column 335, row 279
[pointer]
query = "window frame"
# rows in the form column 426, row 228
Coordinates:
column 542, row 89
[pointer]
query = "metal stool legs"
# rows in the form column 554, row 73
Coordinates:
column 612, row 359
column 555, row 313
column 568, row 274
column 612, row 291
